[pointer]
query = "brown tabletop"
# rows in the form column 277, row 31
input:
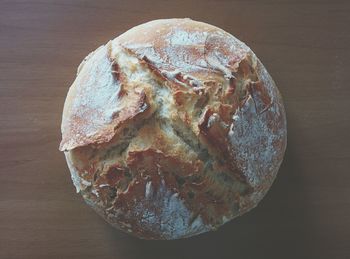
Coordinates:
column 304, row 44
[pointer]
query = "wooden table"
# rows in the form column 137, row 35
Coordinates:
column 304, row 44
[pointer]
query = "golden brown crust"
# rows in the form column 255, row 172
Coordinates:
column 98, row 104
column 172, row 129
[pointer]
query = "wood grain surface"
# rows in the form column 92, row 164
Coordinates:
column 304, row 44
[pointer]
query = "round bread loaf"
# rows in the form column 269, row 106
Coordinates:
column 172, row 129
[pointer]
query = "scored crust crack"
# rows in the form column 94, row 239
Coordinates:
column 172, row 129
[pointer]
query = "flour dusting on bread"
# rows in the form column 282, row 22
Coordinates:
column 173, row 129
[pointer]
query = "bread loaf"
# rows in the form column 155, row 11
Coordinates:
column 172, row 129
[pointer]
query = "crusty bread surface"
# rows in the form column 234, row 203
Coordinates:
column 172, row 129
